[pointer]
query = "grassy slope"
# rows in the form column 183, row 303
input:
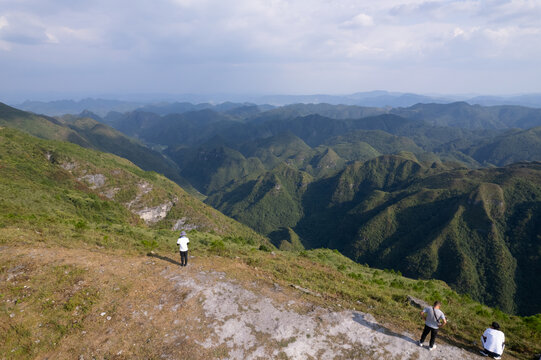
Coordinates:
column 38, row 192
column 66, row 300
column 45, row 205
column 91, row 134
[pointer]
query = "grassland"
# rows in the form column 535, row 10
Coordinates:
column 56, row 299
column 45, row 208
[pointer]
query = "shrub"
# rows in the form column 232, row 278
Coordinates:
column 80, row 225
column 264, row 247
column 533, row 322
column 398, row 284
column 303, row 253
column 149, row 245
column 218, row 247
column 356, row 276
column 341, row 267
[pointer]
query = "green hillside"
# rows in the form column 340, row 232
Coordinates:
column 271, row 201
column 273, row 150
column 382, row 142
column 399, row 214
column 325, row 180
column 464, row 115
column 327, row 110
column 92, row 134
column 212, row 168
column 513, row 146
column 58, row 195
column 395, row 212
column 40, row 126
column 62, row 190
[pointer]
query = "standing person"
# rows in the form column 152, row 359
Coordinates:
column 182, row 242
column 493, row 341
column 432, row 316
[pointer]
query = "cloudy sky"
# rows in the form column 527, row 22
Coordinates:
column 76, row 48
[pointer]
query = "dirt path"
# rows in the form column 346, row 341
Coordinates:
column 150, row 307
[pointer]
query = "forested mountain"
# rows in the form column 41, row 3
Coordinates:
column 510, row 147
column 414, row 189
column 478, row 230
column 88, row 232
column 464, row 115
column 92, row 134
column 61, row 107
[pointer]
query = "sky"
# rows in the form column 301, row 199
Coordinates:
column 78, row 48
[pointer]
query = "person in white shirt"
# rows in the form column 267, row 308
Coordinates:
column 182, row 242
column 493, row 341
column 434, row 319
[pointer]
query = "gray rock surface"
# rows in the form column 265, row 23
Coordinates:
column 253, row 326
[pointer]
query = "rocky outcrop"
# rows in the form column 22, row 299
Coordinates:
column 418, row 303
column 152, row 215
column 181, row 224
column 94, row 180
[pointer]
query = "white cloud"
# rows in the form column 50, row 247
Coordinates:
column 24, row 29
column 168, row 38
column 3, row 22
column 360, row 19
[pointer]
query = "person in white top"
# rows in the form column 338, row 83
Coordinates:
column 493, row 341
column 182, row 242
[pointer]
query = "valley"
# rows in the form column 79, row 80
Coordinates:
column 413, row 189
column 406, row 201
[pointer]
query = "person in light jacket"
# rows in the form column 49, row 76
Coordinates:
column 182, row 242
column 493, row 341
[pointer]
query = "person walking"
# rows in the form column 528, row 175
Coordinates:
column 493, row 341
column 182, row 242
column 434, row 319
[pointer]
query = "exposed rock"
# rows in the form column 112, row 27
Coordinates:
column 418, row 303
column 14, row 272
column 69, row 166
column 307, row 291
column 154, row 214
column 110, row 193
column 181, row 224
column 252, row 326
column 94, row 180
column 143, row 189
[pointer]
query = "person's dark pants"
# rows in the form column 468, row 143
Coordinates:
column 490, row 353
column 433, row 334
column 183, row 258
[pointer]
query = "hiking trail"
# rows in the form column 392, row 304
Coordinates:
column 152, row 308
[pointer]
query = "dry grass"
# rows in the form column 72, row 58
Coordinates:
column 149, row 317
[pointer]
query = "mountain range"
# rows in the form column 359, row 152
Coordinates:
column 187, row 102
column 447, row 191
column 88, row 244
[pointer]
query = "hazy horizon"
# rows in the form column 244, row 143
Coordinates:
column 56, row 49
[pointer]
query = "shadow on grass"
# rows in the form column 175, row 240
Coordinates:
column 359, row 318
column 164, row 258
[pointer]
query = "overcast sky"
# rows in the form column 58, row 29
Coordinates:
column 76, row 48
